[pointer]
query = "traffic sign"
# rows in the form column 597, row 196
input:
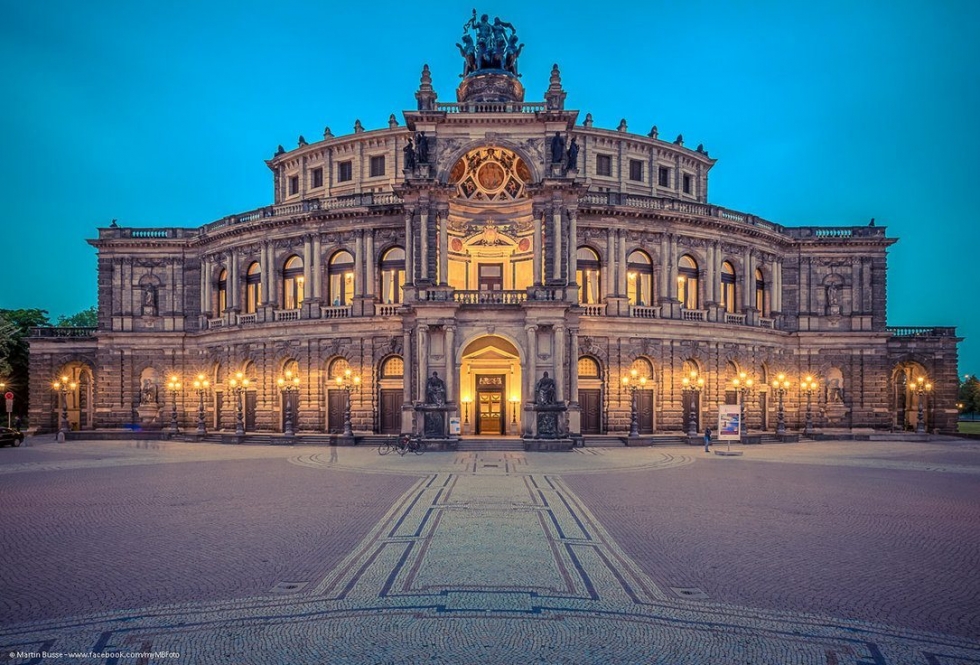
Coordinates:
column 8, row 395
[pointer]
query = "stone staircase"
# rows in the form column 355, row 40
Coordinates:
column 480, row 444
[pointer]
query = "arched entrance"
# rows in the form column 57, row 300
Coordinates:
column 490, row 387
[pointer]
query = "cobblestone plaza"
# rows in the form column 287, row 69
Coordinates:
column 831, row 553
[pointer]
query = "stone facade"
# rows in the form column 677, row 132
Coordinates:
column 476, row 242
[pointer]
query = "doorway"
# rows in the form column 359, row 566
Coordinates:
column 336, row 403
column 391, row 411
column 590, row 400
column 490, row 412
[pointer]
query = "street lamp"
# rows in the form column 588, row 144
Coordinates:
column 693, row 385
column 466, row 409
column 742, row 385
column 238, row 386
column 288, row 386
column 921, row 388
column 514, row 399
column 173, row 387
column 633, row 382
column 809, row 386
column 780, row 386
column 349, row 382
column 64, row 386
column 201, row 387
column 3, row 389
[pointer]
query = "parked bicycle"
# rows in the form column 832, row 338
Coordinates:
column 405, row 444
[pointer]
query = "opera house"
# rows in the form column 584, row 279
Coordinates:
column 493, row 267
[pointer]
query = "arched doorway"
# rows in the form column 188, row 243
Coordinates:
column 490, row 387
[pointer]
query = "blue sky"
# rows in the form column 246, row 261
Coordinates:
column 162, row 114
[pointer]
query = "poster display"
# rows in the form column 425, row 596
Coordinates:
column 729, row 422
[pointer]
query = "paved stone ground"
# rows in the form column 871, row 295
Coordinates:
column 831, row 553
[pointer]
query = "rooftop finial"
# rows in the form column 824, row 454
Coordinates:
column 487, row 45
column 554, row 97
column 425, row 95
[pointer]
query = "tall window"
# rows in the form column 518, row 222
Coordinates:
column 341, row 279
column 728, row 287
column 392, row 275
column 222, row 292
column 377, row 166
column 760, row 293
column 345, row 171
column 587, row 275
column 293, row 184
column 639, row 279
column 636, row 170
column 253, row 282
column 687, row 184
column 687, row 283
column 603, row 165
column 663, row 176
column 292, row 283
column 316, row 177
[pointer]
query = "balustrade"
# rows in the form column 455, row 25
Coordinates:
column 218, row 322
column 694, row 315
column 286, row 315
column 638, row 312
column 341, row 312
column 489, row 297
column 247, row 319
column 921, row 331
column 767, row 323
column 738, row 319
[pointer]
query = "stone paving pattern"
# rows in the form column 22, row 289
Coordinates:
column 830, row 553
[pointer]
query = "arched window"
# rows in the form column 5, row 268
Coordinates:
column 337, row 368
column 588, row 368
column 728, row 287
column 253, row 282
column 340, row 277
column 643, row 368
column 760, row 293
column 588, row 275
column 639, row 279
column 687, row 283
column 392, row 275
column 222, row 292
column 293, row 284
column 393, row 368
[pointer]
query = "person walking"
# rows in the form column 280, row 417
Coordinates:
column 707, row 439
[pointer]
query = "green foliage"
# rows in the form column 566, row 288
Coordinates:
column 969, row 395
column 15, row 327
column 87, row 318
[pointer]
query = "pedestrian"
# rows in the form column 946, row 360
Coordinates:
column 707, row 439
column 17, row 423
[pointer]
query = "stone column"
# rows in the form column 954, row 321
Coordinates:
column 775, row 289
column 424, row 244
column 573, row 367
column 359, row 272
column 673, row 264
column 609, row 269
column 307, row 267
column 748, row 280
column 556, row 220
column 538, row 249
column 266, row 271
column 409, row 250
column 234, row 282
column 621, row 268
column 450, row 370
column 423, row 356
column 409, row 360
column 370, row 283
column 665, row 261
column 205, row 295
column 559, row 351
column 443, row 250
column 573, row 244
column 530, row 377
column 317, row 270
column 714, row 272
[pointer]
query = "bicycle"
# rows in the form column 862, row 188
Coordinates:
column 411, row 444
column 388, row 446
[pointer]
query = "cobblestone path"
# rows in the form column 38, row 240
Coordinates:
column 582, row 557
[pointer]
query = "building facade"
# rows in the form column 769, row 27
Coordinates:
column 492, row 242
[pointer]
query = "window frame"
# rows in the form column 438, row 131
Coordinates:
column 345, row 171
column 373, row 162
column 602, row 159
column 636, row 170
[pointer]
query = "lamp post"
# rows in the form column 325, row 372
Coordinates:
column 173, row 387
column 742, row 385
column 238, row 386
column 780, row 386
column 809, row 386
column 288, row 385
column 3, row 390
column 466, row 409
column 514, row 399
column 922, row 387
column 201, row 387
column 693, row 385
column 350, row 383
column 63, row 386
column 633, row 382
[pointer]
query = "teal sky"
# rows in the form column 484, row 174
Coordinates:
column 162, row 114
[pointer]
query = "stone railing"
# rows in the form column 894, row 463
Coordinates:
column 66, row 331
column 489, row 297
column 767, row 323
column 299, row 207
column 335, row 312
column 285, row 315
column 694, row 315
column 594, row 309
column 639, row 312
column 921, row 331
column 386, row 310
column 490, row 107
column 835, row 232
column 246, row 319
column 218, row 322
column 738, row 319
column 125, row 233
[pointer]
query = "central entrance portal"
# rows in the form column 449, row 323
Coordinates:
column 491, row 415
column 490, row 387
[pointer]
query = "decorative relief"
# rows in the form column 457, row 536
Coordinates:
column 535, row 148
column 490, row 174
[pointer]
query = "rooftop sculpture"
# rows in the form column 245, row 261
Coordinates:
column 489, row 46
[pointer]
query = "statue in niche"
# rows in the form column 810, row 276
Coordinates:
column 573, row 155
column 421, row 148
column 557, row 148
column 148, row 394
column 545, row 391
column 435, row 390
column 149, row 300
column 836, row 392
column 833, row 294
column 409, row 151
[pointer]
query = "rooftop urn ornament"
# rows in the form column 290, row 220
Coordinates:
column 554, row 97
column 392, row 121
column 654, row 132
column 358, row 127
column 327, row 134
column 622, row 125
column 588, row 120
column 679, row 140
column 300, row 142
column 426, row 95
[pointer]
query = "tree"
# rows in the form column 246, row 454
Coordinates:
column 15, row 328
column 87, row 318
column 969, row 395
